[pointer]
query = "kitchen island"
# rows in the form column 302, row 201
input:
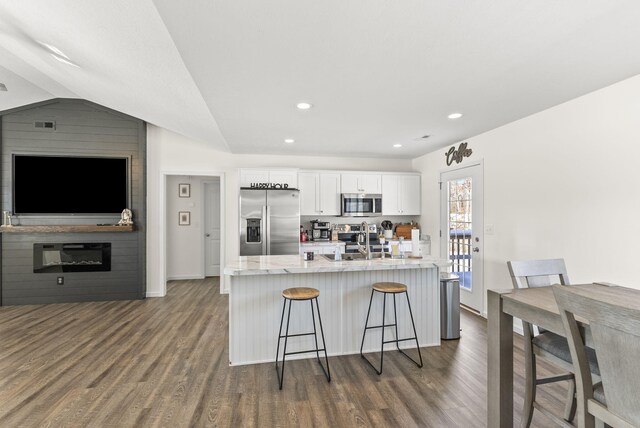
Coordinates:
column 255, row 303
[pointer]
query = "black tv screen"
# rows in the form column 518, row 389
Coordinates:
column 72, row 185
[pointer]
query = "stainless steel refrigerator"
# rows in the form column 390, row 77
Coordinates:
column 269, row 222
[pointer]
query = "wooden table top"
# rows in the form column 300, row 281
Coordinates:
column 543, row 298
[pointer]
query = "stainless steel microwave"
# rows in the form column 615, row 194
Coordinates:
column 360, row 205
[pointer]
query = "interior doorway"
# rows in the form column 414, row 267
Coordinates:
column 461, row 230
column 182, row 244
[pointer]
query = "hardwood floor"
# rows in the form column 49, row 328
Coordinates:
column 164, row 362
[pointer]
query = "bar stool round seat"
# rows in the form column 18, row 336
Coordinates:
column 301, row 294
column 389, row 287
column 392, row 288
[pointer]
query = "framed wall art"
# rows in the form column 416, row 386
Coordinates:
column 184, row 190
column 184, row 218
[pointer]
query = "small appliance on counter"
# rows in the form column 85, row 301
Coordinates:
column 320, row 230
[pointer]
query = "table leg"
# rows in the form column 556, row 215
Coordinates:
column 500, row 362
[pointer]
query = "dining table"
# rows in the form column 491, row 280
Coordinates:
column 536, row 306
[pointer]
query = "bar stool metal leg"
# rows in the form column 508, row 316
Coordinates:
column 284, row 305
column 284, row 350
column 415, row 336
column 366, row 323
column 327, row 372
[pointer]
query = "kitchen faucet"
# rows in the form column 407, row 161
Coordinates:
column 366, row 252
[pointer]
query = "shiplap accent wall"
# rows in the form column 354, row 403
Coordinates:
column 85, row 129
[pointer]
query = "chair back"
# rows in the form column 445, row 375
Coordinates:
column 538, row 273
column 614, row 324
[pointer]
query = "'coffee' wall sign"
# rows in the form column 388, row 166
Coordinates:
column 458, row 155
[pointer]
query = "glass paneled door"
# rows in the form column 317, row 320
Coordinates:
column 461, row 230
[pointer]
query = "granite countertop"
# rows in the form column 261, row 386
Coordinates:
column 270, row 265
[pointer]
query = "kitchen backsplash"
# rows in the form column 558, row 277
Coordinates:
column 305, row 221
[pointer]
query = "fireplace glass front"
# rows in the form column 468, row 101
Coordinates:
column 62, row 257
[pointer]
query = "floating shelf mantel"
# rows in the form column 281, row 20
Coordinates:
column 65, row 228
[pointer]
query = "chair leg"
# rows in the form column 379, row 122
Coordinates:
column 327, row 373
column 530, row 384
column 571, row 403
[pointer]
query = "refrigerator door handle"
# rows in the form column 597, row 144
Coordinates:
column 266, row 246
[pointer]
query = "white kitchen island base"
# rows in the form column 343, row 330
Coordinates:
column 255, row 304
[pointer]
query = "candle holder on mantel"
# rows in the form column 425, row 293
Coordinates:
column 6, row 219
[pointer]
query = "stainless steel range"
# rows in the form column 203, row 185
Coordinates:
column 349, row 234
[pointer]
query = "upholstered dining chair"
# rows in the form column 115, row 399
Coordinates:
column 615, row 331
column 545, row 345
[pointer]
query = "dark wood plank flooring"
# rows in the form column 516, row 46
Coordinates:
column 164, row 362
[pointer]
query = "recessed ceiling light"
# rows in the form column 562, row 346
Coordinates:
column 455, row 116
column 304, row 106
column 397, row 145
column 289, row 140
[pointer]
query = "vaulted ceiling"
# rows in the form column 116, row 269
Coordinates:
column 230, row 72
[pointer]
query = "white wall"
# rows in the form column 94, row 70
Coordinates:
column 171, row 154
column 561, row 183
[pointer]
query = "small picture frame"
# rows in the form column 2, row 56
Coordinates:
column 184, row 190
column 184, row 218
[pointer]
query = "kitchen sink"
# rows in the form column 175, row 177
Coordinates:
column 345, row 257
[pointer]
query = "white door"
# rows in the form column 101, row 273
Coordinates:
column 212, row 229
column 461, row 230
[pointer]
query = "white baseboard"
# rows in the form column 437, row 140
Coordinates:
column 155, row 294
column 181, row 277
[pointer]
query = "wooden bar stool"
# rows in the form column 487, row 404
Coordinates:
column 390, row 288
column 301, row 294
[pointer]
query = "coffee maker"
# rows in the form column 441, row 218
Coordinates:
column 320, row 230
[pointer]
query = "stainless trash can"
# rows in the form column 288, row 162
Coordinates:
column 449, row 306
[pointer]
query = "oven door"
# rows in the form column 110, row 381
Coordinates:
column 360, row 204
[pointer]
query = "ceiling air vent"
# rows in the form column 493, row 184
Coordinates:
column 3, row 87
column 49, row 124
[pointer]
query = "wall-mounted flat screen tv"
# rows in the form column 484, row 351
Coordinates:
column 69, row 185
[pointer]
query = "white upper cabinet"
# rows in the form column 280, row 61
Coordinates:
column 361, row 183
column 254, row 177
column 319, row 193
column 401, row 194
